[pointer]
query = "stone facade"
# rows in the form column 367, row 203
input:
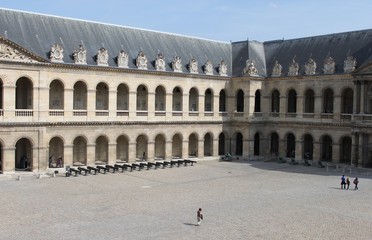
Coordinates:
column 85, row 114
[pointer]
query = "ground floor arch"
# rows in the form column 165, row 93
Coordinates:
column 122, row 147
column 141, row 147
column 56, row 150
column 193, row 145
column 101, row 151
column 79, row 151
column 208, row 144
column 177, row 146
column 160, row 146
column 23, row 155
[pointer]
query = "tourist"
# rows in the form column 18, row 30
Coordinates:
column 343, row 182
column 356, row 181
column 347, row 183
column 199, row 216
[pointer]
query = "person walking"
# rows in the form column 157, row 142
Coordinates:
column 356, row 181
column 199, row 216
column 343, row 182
column 347, row 183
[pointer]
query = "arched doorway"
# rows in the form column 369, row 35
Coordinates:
column 23, row 155
column 308, row 147
column 56, row 152
column 274, row 144
column 208, row 145
column 221, row 144
column 326, row 144
column 160, row 146
column 240, row 101
column 122, row 144
column 177, row 99
column 101, row 150
column 291, row 145
column 24, row 92
column 102, row 96
column 256, row 151
column 239, row 144
column 56, row 98
column 141, row 99
column 193, row 100
column 177, row 146
column 160, row 99
column 79, row 151
column 141, row 147
column 80, row 96
column 193, row 145
column 208, row 101
column 257, row 101
column 345, row 150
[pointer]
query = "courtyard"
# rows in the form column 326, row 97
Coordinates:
column 240, row 200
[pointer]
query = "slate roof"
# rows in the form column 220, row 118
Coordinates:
column 37, row 33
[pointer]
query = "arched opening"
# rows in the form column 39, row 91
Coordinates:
column 193, row 100
column 56, row 95
column 308, row 147
column 222, row 101
column 292, row 101
column 347, row 101
column 160, row 147
column 142, row 98
column 221, row 144
column 345, row 150
column 239, row 144
column 256, row 151
column 193, row 145
column 309, row 101
column 160, row 99
column 79, row 151
column 102, row 97
column 208, row 101
column 275, row 101
column 80, row 96
column 177, row 146
column 240, row 101
column 291, row 146
column 326, row 146
column 208, row 145
column 177, row 99
column 101, row 150
column 56, row 148
column 328, row 101
column 257, row 101
column 23, row 155
column 122, row 146
column 141, row 147
column 274, row 144
column 24, row 92
column 122, row 100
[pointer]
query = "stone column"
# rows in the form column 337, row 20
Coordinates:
column 185, row 104
column 299, row 150
column 201, row 101
column 360, row 148
column 168, row 150
column 282, row 148
column 150, row 155
column 356, row 97
column 216, row 105
column 112, row 103
column 317, row 106
column 151, row 105
column 9, row 102
column 168, row 105
column 248, row 100
column 248, row 148
column 91, row 104
column 8, row 162
column 215, row 147
column 316, row 151
column 132, row 151
column 337, row 107
column 132, row 108
column 68, row 102
column 283, row 105
column 91, row 154
column 185, row 149
column 68, row 154
column 201, row 148
column 336, row 153
column 112, row 153
column 300, row 106
column 362, row 97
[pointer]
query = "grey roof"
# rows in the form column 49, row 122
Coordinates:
column 37, row 33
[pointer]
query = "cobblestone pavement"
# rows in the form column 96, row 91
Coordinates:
column 240, row 200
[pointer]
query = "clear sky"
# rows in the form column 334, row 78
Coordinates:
column 222, row 20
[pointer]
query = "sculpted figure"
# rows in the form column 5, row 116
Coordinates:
column 177, row 64
column 160, row 62
column 250, row 69
column 80, row 55
column 310, row 67
column 222, row 68
column 208, row 68
column 193, row 66
column 102, row 57
column 293, row 68
column 349, row 64
column 141, row 61
column 329, row 66
column 277, row 69
column 56, row 53
column 123, row 59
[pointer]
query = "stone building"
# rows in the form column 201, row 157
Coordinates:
column 76, row 92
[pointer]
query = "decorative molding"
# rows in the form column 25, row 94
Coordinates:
column 80, row 55
column 208, row 68
column 141, row 61
column 56, row 53
column 293, row 68
column 250, row 69
column 277, row 69
column 123, row 59
column 102, row 57
column 222, row 68
column 8, row 53
column 310, row 67
column 349, row 64
column 193, row 66
column 329, row 65
column 160, row 62
column 177, row 64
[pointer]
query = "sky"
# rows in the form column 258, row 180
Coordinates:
column 221, row 20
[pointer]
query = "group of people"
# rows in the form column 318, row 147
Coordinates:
column 345, row 183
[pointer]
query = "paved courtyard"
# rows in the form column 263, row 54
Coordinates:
column 240, row 200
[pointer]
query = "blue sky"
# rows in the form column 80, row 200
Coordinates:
column 221, row 20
